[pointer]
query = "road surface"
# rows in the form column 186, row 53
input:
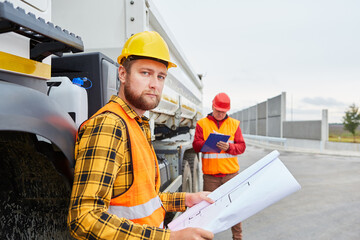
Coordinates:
column 326, row 207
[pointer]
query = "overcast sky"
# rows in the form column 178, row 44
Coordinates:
column 255, row 49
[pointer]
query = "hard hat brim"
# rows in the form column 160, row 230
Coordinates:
column 121, row 57
column 221, row 109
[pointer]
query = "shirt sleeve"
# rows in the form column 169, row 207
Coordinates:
column 239, row 146
column 173, row 202
column 99, row 155
column 198, row 138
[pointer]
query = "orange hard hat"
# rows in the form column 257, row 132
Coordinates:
column 221, row 102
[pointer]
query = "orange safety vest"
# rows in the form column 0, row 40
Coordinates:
column 140, row 203
column 219, row 163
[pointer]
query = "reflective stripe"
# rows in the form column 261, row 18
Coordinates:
column 217, row 155
column 22, row 65
column 135, row 212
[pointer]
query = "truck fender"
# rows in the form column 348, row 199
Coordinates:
column 26, row 110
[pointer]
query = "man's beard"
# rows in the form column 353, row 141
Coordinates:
column 139, row 102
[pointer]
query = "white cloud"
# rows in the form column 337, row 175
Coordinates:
column 323, row 102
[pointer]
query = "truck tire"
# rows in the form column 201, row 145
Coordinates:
column 193, row 160
column 186, row 177
column 195, row 168
column 34, row 197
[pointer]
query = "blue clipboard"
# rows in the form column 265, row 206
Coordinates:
column 212, row 140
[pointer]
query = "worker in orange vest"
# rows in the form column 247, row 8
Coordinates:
column 115, row 193
column 219, row 168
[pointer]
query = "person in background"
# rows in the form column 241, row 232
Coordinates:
column 115, row 193
column 219, row 168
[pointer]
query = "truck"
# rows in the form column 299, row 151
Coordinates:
column 57, row 68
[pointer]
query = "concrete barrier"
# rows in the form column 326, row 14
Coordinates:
column 341, row 146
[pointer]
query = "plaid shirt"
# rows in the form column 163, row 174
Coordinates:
column 103, row 169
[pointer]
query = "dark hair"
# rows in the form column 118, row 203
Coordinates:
column 127, row 62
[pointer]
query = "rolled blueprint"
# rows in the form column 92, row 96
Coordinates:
column 262, row 184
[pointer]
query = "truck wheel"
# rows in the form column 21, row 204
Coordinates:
column 34, row 197
column 193, row 160
column 196, row 174
column 186, row 177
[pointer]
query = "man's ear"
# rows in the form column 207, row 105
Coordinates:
column 122, row 74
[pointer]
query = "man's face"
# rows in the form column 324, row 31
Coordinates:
column 218, row 115
column 144, row 84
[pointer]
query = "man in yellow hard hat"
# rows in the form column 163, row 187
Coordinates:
column 220, row 167
column 115, row 193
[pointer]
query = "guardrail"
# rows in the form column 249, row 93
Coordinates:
column 266, row 139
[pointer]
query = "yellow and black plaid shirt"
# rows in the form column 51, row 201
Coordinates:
column 103, row 169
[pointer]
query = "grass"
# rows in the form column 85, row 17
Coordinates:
column 338, row 134
column 344, row 139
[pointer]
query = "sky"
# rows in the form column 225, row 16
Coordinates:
column 256, row 49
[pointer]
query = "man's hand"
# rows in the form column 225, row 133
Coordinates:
column 193, row 198
column 223, row 145
column 191, row 234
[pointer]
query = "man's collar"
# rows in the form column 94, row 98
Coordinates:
column 211, row 117
column 129, row 111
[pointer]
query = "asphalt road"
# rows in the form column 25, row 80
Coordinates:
column 326, row 207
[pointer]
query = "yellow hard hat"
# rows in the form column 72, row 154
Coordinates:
column 146, row 44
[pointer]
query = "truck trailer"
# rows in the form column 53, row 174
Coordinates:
column 57, row 68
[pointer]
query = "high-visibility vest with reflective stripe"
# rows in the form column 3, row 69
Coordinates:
column 215, row 163
column 140, row 203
